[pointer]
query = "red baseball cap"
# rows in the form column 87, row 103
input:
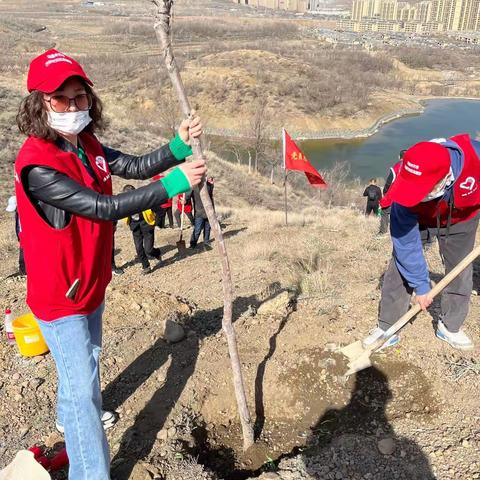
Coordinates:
column 50, row 69
column 423, row 166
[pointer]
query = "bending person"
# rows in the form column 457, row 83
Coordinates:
column 436, row 193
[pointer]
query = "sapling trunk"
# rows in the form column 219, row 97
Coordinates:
column 163, row 18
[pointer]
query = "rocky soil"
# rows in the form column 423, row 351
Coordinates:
column 300, row 291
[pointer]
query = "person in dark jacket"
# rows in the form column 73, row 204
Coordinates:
column 385, row 213
column 374, row 195
column 66, row 207
column 142, row 226
column 436, row 193
column 200, row 219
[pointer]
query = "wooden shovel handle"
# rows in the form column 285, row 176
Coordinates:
column 183, row 215
column 404, row 319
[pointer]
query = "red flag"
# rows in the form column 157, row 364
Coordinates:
column 295, row 159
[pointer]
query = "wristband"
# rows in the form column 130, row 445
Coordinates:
column 180, row 150
column 175, row 182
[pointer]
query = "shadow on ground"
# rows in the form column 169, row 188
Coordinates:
column 138, row 440
column 358, row 440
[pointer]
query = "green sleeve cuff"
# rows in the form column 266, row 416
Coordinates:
column 175, row 182
column 179, row 149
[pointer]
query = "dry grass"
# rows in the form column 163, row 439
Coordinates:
column 426, row 57
column 228, row 59
column 308, row 254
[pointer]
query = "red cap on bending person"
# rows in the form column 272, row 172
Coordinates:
column 423, row 166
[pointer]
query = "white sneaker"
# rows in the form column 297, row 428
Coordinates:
column 458, row 340
column 377, row 333
column 108, row 420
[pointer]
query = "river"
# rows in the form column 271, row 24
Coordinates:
column 372, row 156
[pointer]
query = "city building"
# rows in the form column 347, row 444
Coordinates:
column 423, row 17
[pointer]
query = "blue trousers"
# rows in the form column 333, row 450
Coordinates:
column 199, row 225
column 75, row 342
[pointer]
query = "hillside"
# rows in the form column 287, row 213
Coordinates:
column 175, row 401
column 233, row 62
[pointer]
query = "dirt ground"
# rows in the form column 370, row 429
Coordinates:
column 299, row 291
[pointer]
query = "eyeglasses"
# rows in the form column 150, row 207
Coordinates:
column 61, row 103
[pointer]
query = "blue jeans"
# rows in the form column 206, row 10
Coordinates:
column 199, row 225
column 75, row 342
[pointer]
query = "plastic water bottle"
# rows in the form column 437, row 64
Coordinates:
column 8, row 326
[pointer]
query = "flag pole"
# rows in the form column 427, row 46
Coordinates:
column 285, row 178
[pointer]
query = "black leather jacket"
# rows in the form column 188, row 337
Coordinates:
column 56, row 196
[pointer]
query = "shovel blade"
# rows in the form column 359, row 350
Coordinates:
column 182, row 248
column 360, row 363
column 358, row 356
column 353, row 350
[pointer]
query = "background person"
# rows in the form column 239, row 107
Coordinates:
column 436, row 193
column 374, row 195
column 115, row 270
column 142, row 226
column 64, row 194
column 163, row 210
column 201, row 222
column 187, row 209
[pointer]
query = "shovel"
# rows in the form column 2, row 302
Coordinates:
column 182, row 248
column 359, row 356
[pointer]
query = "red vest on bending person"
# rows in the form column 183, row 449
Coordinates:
column 188, row 205
column 466, row 192
column 82, row 250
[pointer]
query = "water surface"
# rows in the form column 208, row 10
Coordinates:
column 372, row 156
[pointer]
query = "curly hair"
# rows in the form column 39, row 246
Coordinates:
column 32, row 116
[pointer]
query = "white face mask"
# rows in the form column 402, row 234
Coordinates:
column 70, row 123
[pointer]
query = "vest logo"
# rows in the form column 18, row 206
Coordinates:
column 101, row 163
column 17, row 178
column 468, row 184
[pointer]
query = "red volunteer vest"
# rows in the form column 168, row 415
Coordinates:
column 82, row 250
column 188, row 206
column 466, row 192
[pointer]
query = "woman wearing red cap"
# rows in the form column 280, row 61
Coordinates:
column 65, row 202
